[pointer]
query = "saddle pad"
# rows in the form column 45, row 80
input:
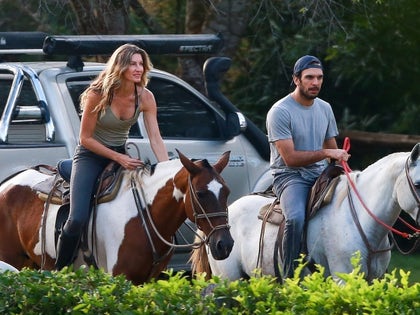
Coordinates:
column 271, row 213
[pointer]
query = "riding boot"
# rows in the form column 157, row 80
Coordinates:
column 67, row 247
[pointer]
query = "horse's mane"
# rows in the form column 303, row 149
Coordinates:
column 200, row 261
column 391, row 161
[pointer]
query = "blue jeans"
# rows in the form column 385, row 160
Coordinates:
column 86, row 168
column 292, row 191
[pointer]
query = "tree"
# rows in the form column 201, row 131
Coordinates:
column 369, row 49
column 101, row 16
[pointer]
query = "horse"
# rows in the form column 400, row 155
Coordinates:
column 133, row 234
column 356, row 220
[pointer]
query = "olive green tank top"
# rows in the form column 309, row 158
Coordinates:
column 112, row 131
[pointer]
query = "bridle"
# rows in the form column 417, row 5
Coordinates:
column 147, row 220
column 413, row 190
column 351, row 186
column 202, row 214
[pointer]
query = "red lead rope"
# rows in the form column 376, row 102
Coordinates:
column 347, row 171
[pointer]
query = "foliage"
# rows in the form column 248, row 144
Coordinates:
column 369, row 50
column 376, row 61
column 90, row 291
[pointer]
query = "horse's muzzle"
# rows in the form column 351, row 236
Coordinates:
column 221, row 243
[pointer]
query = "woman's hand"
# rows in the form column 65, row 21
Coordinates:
column 128, row 162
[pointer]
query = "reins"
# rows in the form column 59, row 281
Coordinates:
column 347, row 171
column 141, row 206
column 204, row 214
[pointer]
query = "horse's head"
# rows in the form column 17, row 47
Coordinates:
column 206, row 202
column 412, row 174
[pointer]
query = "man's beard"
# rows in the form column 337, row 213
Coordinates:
column 306, row 95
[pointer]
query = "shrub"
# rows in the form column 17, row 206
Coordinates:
column 90, row 291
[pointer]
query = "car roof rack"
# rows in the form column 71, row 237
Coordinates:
column 93, row 45
column 76, row 46
column 170, row 44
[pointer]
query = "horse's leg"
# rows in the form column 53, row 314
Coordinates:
column 380, row 261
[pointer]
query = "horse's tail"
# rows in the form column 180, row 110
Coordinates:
column 200, row 261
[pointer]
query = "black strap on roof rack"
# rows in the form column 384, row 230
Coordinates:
column 174, row 44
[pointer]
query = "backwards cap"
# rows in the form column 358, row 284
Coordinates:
column 306, row 62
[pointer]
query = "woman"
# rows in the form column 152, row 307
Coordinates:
column 111, row 105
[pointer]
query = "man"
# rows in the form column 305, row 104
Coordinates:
column 301, row 131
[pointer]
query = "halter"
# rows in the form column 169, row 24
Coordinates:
column 142, row 206
column 347, row 171
column 204, row 215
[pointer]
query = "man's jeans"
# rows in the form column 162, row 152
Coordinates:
column 292, row 191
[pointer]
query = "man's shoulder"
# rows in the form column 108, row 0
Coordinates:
column 322, row 102
column 283, row 104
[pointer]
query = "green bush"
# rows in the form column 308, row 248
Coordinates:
column 90, row 291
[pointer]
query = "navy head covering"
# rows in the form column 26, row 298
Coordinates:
column 306, row 62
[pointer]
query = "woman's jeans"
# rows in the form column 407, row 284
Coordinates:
column 86, row 168
column 292, row 191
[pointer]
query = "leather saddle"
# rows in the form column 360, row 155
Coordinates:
column 320, row 195
column 56, row 189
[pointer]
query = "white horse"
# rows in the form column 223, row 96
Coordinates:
column 334, row 235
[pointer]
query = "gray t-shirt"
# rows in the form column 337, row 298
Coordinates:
column 308, row 126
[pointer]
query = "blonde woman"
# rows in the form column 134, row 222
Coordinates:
column 111, row 105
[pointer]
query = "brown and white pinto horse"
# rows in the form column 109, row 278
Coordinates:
column 171, row 192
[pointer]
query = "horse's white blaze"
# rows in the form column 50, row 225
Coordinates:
column 215, row 187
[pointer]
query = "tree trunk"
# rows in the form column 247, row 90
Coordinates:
column 101, row 16
column 227, row 17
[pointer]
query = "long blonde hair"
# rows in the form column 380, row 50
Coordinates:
column 110, row 78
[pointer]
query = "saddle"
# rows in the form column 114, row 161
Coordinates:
column 56, row 189
column 321, row 194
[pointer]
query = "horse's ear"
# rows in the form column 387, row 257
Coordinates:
column 415, row 152
column 222, row 162
column 188, row 164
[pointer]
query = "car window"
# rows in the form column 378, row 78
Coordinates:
column 26, row 97
column 181, row 114
column 27, row 124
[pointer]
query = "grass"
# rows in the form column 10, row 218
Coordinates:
column 408, row 263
